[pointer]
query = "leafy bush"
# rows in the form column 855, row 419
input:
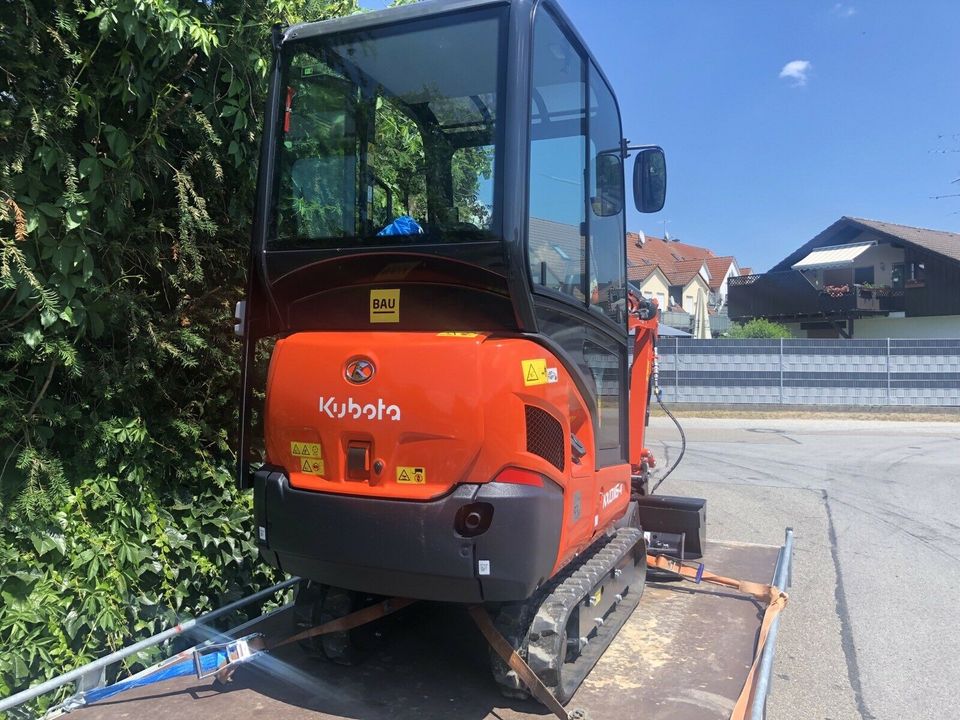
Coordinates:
column 117, row 562
column 128, row 140
column 758, row 328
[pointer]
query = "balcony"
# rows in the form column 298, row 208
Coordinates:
column 719, row 323
column 790, row 295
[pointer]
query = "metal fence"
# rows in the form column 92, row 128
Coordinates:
column 811, row 372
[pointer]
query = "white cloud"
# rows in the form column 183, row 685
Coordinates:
column 844, row 10
column 796, row 70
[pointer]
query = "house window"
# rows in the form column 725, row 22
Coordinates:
column 897, row 275
column 676, row 292
column 863, row 275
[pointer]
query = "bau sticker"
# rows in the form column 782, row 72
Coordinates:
column 385, row 306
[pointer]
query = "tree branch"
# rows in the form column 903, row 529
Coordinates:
column 43, row 390
column 6, row 462
column 22, row 317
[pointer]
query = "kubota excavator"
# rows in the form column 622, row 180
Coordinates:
column 451, row 412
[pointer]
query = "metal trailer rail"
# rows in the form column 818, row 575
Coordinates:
column 663, row 593
column 90, row 676
column 782, row 578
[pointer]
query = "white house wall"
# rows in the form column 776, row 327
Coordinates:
column 944, row 326
column 691, row 290
column 655, row 286
column 882, row 257
column 732, row 271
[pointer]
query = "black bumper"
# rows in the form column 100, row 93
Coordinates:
column 411, row 549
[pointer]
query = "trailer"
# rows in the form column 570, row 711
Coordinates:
column 686, row 652
column 453, row 423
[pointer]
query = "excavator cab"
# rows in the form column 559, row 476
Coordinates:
column 439, row 255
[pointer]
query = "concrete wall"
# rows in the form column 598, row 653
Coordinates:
column 907, row 372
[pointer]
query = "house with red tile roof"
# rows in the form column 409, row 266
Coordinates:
column 683, row 271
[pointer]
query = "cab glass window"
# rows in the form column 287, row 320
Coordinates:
column 606, row 221
column 605, row 369
column 391, row 131
column 558, row 135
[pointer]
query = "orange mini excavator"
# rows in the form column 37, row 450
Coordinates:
column 452, row 412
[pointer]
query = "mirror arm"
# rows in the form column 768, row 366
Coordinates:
column 626, row 148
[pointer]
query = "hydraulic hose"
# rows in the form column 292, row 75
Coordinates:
column 658, row 394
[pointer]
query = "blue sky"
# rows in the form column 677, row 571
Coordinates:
column 865, row 121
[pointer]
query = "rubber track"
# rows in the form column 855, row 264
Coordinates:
column 536, row 627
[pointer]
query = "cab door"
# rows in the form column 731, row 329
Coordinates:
column 575, row 252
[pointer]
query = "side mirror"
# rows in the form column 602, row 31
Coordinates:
column 650, row 179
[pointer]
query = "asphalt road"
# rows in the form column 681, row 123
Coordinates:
column 871, row 630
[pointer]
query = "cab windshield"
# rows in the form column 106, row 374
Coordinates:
column 391, row 135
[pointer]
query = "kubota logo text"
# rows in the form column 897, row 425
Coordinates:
column 353, row 409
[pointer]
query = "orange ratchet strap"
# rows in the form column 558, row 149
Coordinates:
column 510, row 656
column 366, row 615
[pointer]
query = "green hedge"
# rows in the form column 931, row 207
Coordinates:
column 128, row 140
column 758, row 328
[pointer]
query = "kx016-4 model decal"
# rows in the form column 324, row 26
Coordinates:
column 612, row 494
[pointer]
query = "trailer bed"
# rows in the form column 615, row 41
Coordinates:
column 684, row 653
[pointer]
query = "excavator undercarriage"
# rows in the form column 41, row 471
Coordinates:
column 563, row 630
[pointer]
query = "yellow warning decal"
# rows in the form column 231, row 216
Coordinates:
column 385, row 306
column 411, row 475
column 311, row 465
column 305, row 449
column 457, row 333
column 534, row 372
